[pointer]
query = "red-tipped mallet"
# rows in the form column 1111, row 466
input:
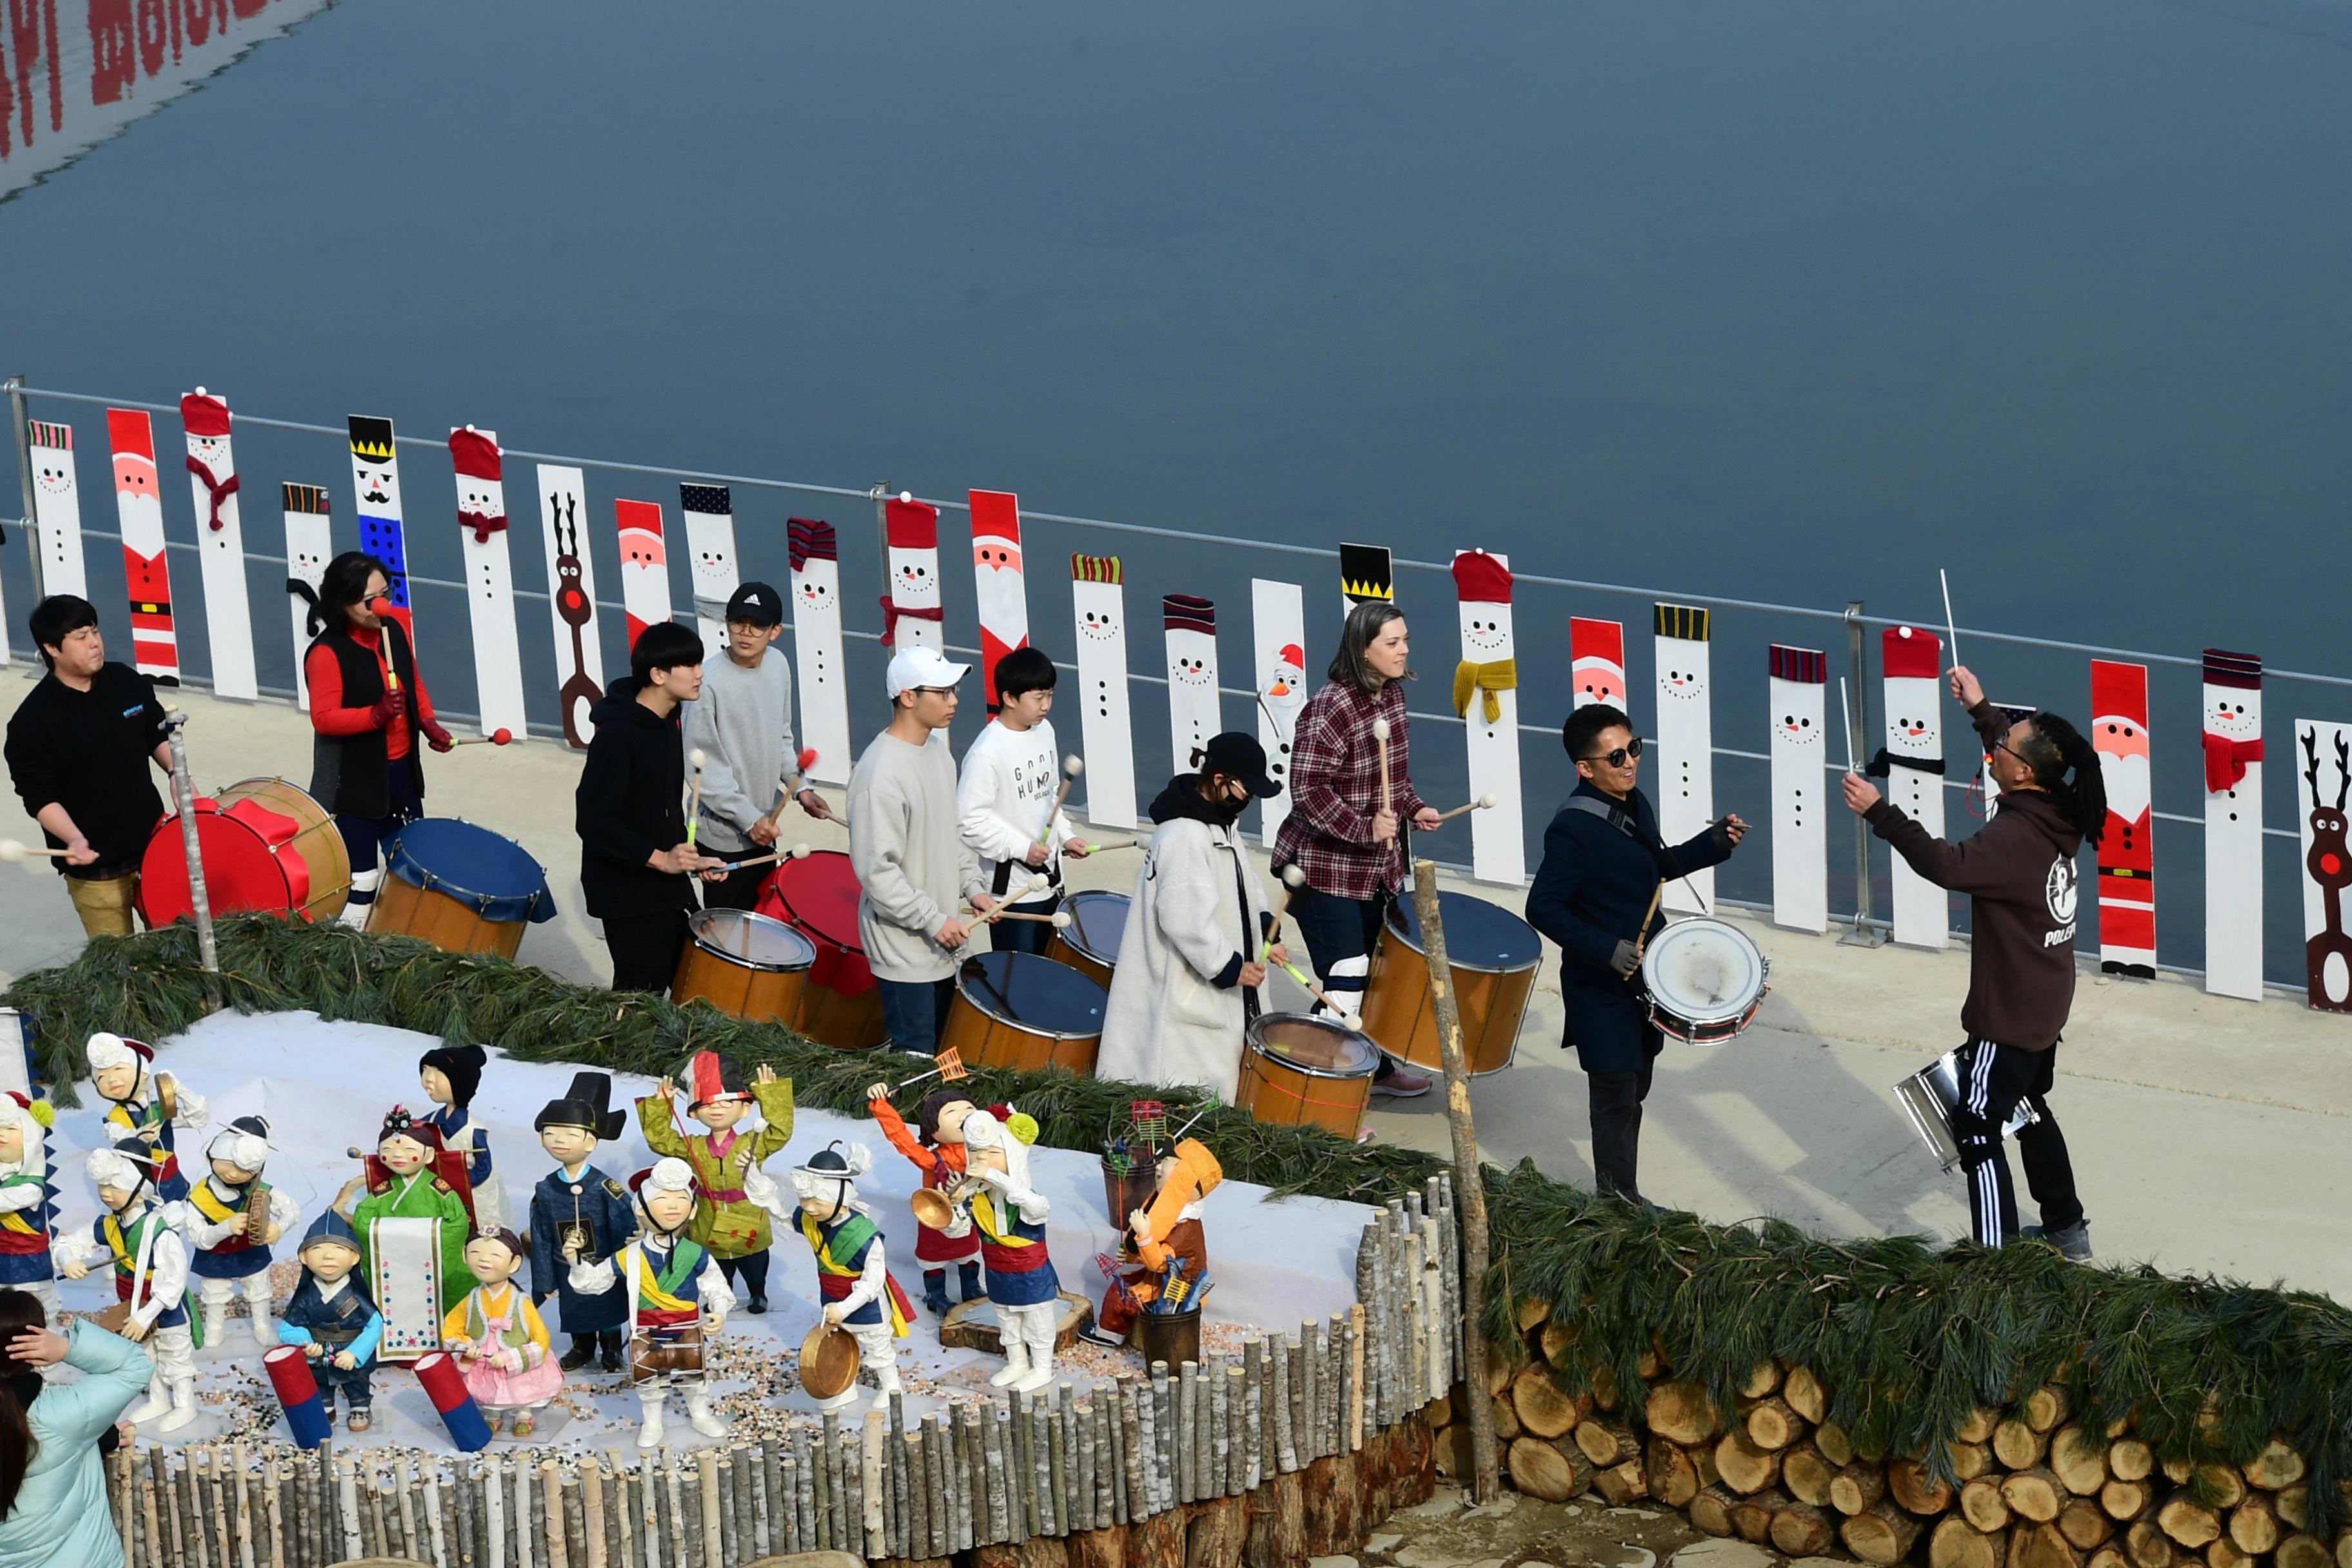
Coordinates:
column 495, row 738
column 794, row 785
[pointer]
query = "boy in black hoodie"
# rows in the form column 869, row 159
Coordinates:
column 2020, row 874
column 635, row 865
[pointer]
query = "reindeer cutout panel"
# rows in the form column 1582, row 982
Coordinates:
column 2324, row 792
column 220, row 544
column 572, row 595
column 310, row 545
column 490, row 577
column 1278, row 625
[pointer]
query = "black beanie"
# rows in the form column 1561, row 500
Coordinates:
column 462, row 1066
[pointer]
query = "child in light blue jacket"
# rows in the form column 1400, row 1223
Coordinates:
column 59, row 1516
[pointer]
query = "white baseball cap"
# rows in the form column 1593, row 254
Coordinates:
column 914, row 666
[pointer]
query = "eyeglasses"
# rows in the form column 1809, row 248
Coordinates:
column 1616, row 759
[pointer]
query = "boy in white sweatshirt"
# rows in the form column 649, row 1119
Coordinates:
column 1006, row 798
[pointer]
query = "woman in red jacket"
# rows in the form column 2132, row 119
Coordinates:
column 368, row 707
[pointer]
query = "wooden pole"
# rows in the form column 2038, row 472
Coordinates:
column 1468, row 1185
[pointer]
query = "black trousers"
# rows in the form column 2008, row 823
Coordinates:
column 644, row 949
column 1994, row 1078
column 736, row 890
column 1340, row 934
column 752, row 1268
column 1616, row 1101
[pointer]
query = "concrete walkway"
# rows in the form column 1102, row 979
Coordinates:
column 2208, row 1135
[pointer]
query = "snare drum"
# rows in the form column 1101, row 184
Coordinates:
column 1305, row 1070
column 267, row 846
column 1025, row 1011
column 671, row 1350
column 1929, row 1097
column 817, row 896
column 1089, row 943
column 1705, row 980
column 744, row 964
column 461, row 888
column 1494, row 956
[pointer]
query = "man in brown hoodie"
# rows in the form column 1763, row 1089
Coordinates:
column 2020, row 873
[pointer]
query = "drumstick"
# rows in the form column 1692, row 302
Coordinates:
column 1380, row 733
column 801, row 764
column 797, row 852
column 1058, row 919
column 1293, row 879
column 495, row 738
column 13, row 850
column 1949, row 629
column 1845, row 707
column 1484, row 802
column 1642, row 936
column 694, row 810
column 1004, row 905
column 1072, row 766
column 1347, row 1018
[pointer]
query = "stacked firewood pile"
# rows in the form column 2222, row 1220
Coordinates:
column 2027, row 1485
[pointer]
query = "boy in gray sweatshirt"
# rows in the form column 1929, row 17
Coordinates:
column 914, row 873
column 742, row 725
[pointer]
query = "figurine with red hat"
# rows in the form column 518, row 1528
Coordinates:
column 28, row 1197
column 937, row 1147
column 677, row 1296
column 144, row 1104
column 726, row 1220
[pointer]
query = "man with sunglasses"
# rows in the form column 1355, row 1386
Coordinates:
column 1596, row 894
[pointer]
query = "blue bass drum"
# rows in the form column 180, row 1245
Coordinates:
column 461, row 888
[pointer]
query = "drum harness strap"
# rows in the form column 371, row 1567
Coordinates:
column 1241, row 891
column 1624, row 822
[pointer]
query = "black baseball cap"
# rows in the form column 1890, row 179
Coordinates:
column 1237, row 755
column 757, row 604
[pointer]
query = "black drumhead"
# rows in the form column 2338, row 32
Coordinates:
column 1478, row 935
column 1098, row 922
column 1041, row 994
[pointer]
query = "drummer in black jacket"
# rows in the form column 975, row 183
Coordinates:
column 636, row 867
column 1604, row 865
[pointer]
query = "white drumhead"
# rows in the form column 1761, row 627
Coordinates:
column 1703, row 970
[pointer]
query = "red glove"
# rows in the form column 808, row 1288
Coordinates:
column 386, row 709
column 436, row 736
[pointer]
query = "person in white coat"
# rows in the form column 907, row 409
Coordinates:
column 1192, row 955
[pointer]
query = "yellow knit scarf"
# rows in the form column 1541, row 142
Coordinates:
column 1495, row 675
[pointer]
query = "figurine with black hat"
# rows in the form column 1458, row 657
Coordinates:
column 580, row 1215
column 450, row 1075
column 334, row 1320
column 678, row 1296
column 234, row 1219
column 852, row 1276
column 742, row 725
column 141, row 1236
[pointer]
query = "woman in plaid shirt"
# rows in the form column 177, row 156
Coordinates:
column 1337, row 834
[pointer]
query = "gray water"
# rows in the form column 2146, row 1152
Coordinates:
column 1792, row 303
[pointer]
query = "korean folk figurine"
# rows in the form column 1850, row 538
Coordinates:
column 734, row 1229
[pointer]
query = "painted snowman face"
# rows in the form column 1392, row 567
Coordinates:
column 484, row 497
column 1911, row 717
column 1682, row 682
column 53, row 473
column 1188, row 660
column 1599, row 680
column 817, row 586
column 2122, row 745
column 212, row 451
column 713, row 570
column 914, row 581
column 307, row 562
column 1485, row 630
column 379, row 485
column 1796, row 727
column 1289, row 682
column 2227, row 713
column 1100, row 626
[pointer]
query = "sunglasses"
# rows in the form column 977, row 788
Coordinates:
column 1616, row 759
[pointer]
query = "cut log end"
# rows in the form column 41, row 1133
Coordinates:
column 1882, row 1535
column 1956, row 1543
column 1542, row 1470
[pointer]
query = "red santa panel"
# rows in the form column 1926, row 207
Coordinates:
column 644, row 565
column 139, row 503
column 2126, row 852
column 1596, row 651
column 997, row 581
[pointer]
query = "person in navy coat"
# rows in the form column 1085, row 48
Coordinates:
column 1593, row 894
column 580, row 1215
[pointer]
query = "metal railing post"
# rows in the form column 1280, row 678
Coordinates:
column 1864, row 933
column 15, row 386
column 881, row 494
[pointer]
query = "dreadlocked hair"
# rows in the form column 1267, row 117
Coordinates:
column 2054, row 748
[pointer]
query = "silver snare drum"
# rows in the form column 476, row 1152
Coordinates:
column 1930, row 1095
column 1705, row 980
